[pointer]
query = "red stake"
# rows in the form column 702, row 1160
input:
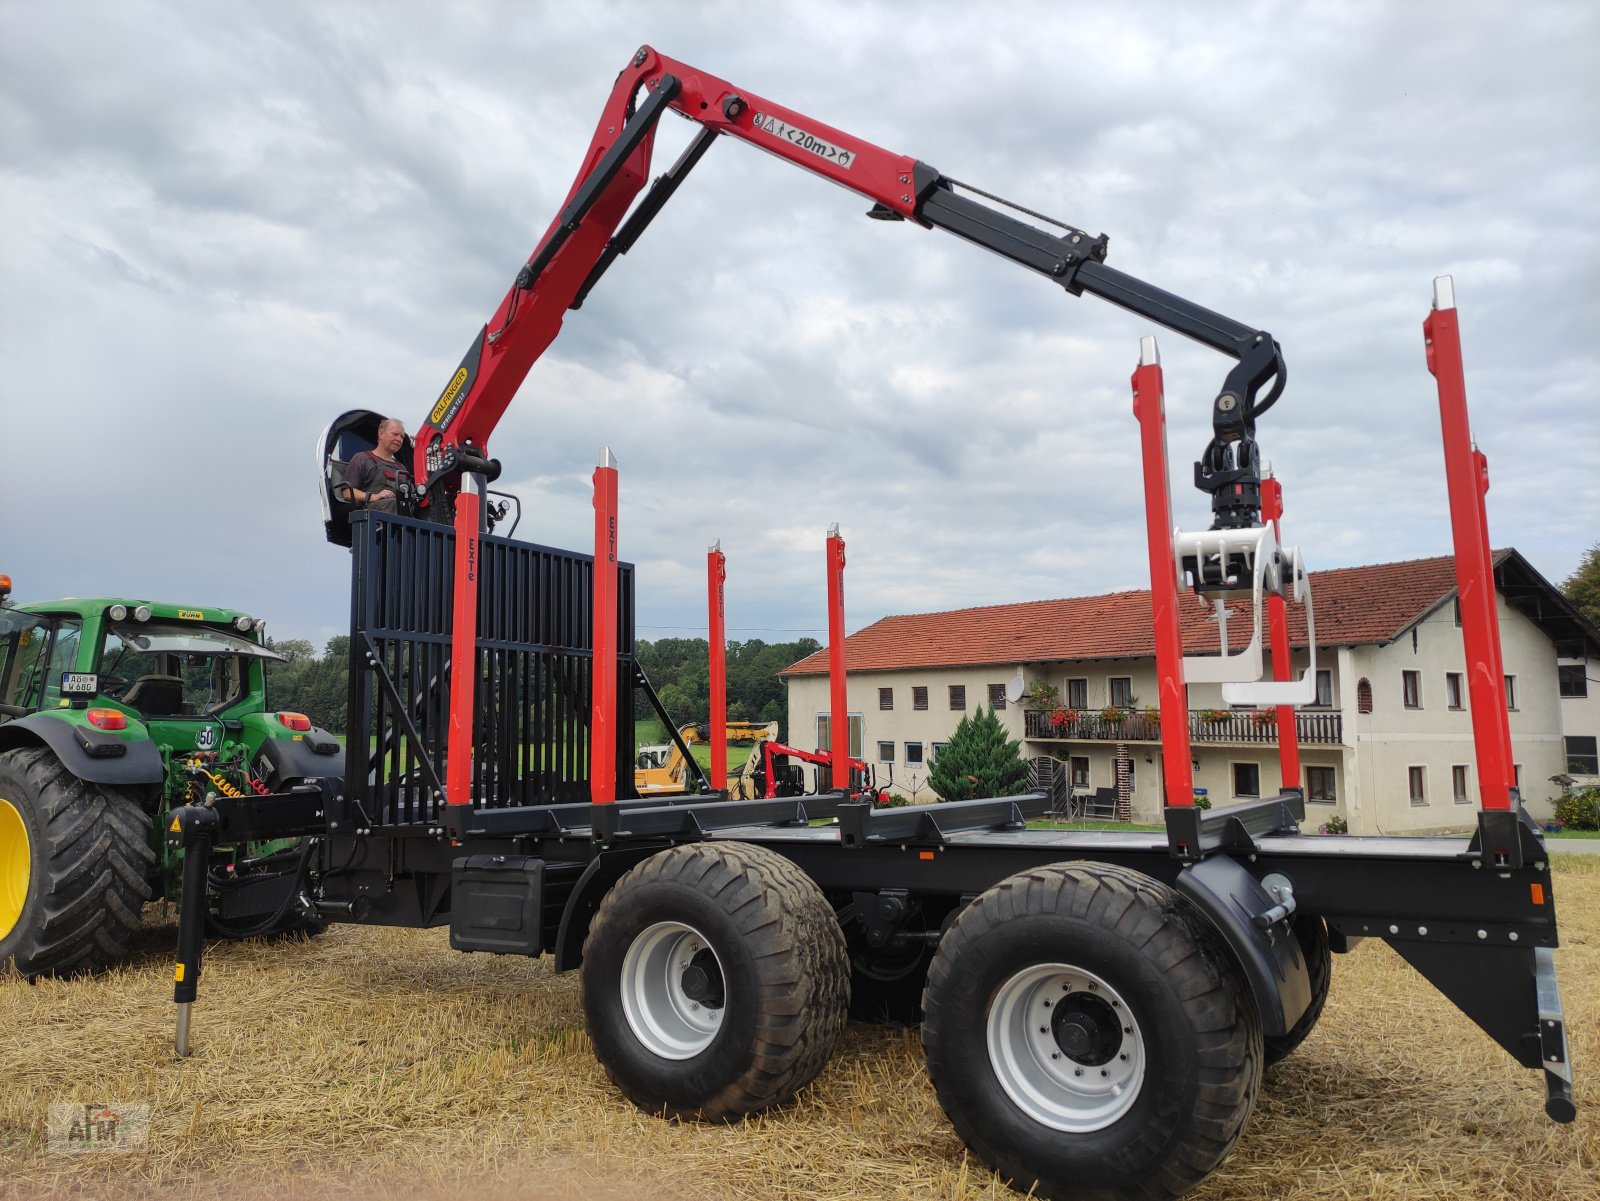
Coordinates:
column 1149, row 407
column 839, row 722
column 1467, row 474
column 603, row 692
column 716, row 573
column 463, row 644
column 1278, row 628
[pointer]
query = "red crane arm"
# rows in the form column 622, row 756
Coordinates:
column 564, row 263
column 594, row 226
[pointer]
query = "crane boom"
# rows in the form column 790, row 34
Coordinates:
column 595, row 226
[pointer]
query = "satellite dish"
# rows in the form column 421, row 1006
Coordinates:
column 1015, row 688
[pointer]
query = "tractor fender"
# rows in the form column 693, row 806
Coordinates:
column 94, row 756
column 1269, row 958
column 603, row 871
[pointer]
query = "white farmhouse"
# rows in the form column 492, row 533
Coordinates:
column 1388, row 744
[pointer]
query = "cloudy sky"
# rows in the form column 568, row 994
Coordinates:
column 222, row 224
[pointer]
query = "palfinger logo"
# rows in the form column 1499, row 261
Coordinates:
column 447, row 396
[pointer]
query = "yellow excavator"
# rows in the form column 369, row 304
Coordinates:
column 664, row 768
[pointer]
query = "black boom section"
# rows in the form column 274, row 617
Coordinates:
column 532, row 672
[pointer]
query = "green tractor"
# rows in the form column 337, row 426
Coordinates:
column 113, row 712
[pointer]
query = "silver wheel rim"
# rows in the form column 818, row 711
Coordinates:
column 1065, row 1047
column 665, row 975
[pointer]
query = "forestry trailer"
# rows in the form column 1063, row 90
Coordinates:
column 1098, row 1005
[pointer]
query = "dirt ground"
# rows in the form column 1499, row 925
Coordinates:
column 378, row 1063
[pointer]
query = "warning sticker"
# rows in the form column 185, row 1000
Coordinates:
column 796, row 136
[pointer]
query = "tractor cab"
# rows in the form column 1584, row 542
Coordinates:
column 346, row 436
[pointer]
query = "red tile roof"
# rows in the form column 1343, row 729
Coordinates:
column 1353, row 605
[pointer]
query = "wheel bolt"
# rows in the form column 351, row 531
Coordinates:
column 1077, row 1071
column 1123, row 1056
column 1044, row 1029
column 1103, row 1072
column 1047, row 1004
column 1127, row 1029
column 1055, row 1054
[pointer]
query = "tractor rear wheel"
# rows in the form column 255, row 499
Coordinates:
column 75, row 865
column 715, row 981
column 1089, row 1037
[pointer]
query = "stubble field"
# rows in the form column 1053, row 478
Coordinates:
column 378, row 1063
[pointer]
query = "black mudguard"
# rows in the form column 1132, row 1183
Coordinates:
column 94, row 756
column 1270, row 958
column 282, row 763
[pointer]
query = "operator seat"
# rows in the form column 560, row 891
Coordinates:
column 155, row 696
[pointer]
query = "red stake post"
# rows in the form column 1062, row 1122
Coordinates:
column 603, row 692
column 716, row 574
column 1278, row 628
column 1149, row 406
column 839, row 721
column 1467, row 474
column 463, row 643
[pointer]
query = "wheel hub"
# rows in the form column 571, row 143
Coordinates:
column 702, row 979
column 16, row 863
column 1086, row 1029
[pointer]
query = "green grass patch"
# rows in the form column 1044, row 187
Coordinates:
column 1572, row 834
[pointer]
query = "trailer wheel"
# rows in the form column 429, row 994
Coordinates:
column 1312, row 934
column 75, row 861
column 1088, row 1036
column 715, row 981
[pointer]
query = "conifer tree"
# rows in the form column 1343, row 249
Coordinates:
column 978, row 761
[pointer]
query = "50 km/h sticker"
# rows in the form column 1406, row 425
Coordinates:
column 796, row 136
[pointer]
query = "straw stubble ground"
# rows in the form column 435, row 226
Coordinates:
column 378, row 1063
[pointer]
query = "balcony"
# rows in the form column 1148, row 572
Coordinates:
column 1205, row 725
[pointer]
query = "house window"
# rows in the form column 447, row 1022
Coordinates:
column 1458, row 784
column 997, row 697
column 1511, row 692
column 913, row 754
column 1516, row 776
column 886, row 752
column 1573, row 679
column 1582, row 757
column 1077, row 694
column 1079, row 765
column 1417, row 784
column 958, row 696
column 919, row 697
column 886, row 698
column 823, row 743
column 1319, row 784
column 1121, row 691
column 933, row 751
column 1452, row 690
column 1363, row 696
column 1324, row 689
column 1458, row 610
column 1411, row 688
column 1247, row 780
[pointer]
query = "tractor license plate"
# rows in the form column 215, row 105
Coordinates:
column 80, row 683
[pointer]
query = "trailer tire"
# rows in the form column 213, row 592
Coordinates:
column 1088, row 1035
column 1311, row 932
column 75, row 867
column 715, row 981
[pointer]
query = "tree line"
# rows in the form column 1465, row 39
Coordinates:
column 679, row 668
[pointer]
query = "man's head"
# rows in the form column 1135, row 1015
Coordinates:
column 391, row 436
